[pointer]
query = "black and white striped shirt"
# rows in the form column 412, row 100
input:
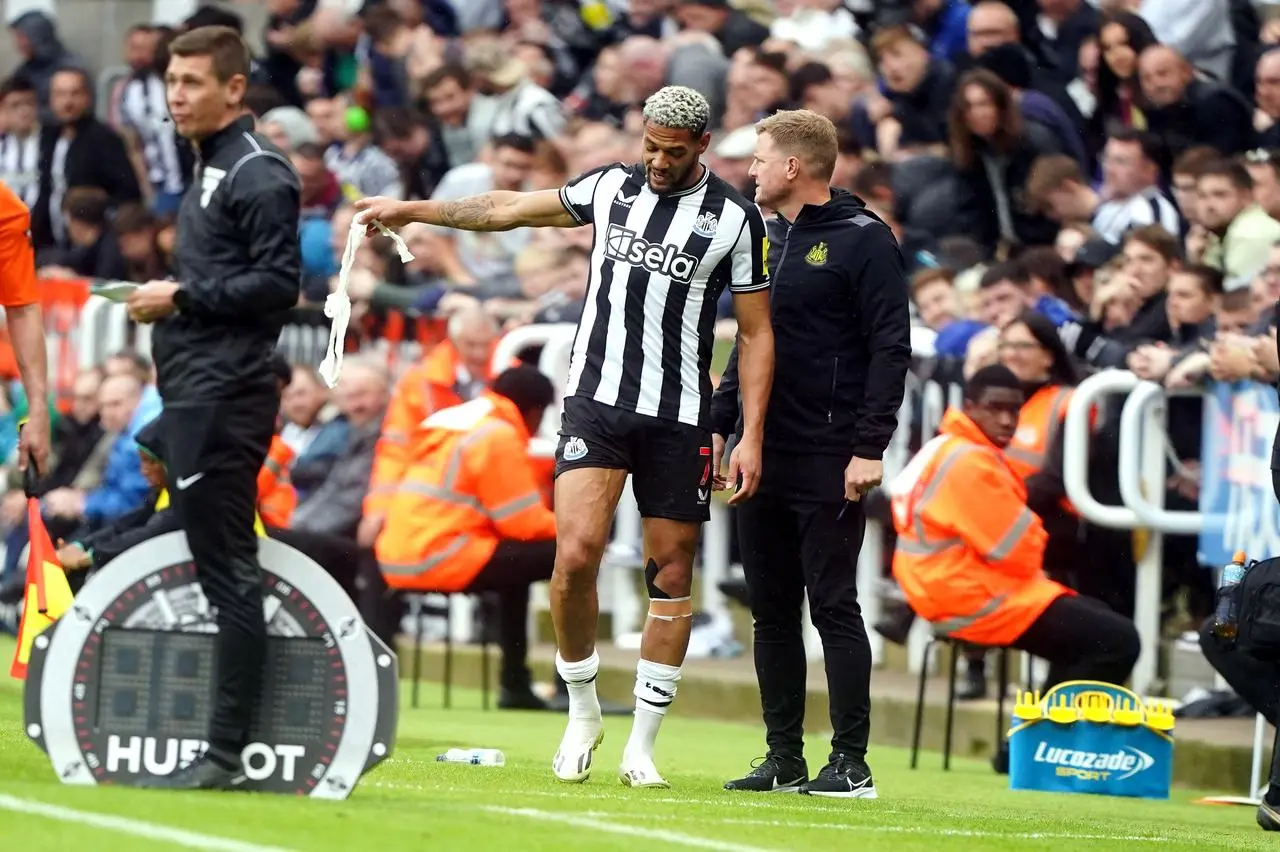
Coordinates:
column 143, row 109
column 20, row 165
column 1113, row 219
column 658, row 265
column 527, row 110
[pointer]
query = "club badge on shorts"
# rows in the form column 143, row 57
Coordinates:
column 574, row 449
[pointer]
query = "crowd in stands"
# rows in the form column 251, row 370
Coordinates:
column 1075, row 184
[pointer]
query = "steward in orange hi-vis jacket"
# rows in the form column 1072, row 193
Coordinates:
column 969, row 550
column 469, row 516
column 470, row 487
column 276, row 496
column 450, row 374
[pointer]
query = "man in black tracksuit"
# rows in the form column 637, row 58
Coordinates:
column 239, row 271
column 842, row 344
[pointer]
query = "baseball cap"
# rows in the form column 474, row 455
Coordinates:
column 1094, row 254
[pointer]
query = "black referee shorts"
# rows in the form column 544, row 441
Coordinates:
column 669, row 462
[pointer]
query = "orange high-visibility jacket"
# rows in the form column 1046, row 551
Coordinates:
column 425, row 388
column 276, row 497
column 970, row 553
column 1038, row 424
column 470, row 486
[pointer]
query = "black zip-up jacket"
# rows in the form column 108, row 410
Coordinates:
column 240, row 268
column 841, row 332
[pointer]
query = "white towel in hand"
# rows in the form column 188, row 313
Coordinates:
column 337, row 306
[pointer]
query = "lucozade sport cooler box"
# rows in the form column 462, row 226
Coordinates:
column 1091, row 737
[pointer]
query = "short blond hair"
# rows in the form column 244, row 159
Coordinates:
column 806, row 135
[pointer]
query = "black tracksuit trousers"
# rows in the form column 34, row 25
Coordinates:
column 213, row 454
column 789, row 546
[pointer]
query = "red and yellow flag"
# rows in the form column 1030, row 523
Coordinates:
column 47, row 596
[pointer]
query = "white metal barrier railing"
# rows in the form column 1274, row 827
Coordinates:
column 1142, row 477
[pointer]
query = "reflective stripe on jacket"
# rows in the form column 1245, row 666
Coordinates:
column 969, row 553
column 470, row 486
column 1039, row 424
column 425, row 388
column 276, row 496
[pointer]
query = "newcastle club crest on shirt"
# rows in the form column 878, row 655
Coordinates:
column 705, row 226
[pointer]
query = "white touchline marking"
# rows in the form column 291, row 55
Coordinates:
column 137, row 828
column 661, row 835
column 786, row 823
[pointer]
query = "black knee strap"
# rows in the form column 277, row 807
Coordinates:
column 650, row 575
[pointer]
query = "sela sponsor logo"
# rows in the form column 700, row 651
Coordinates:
column 156, row 756
column 574, row 449
column 1095, row 765
column 626, row 246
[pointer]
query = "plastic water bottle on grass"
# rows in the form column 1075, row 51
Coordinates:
column 473, row 756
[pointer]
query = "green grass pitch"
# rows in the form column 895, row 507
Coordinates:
column 413, row 803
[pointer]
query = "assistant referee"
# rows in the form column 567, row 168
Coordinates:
column 842, row 341
column 216, row 329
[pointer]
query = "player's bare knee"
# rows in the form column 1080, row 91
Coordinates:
column 668, row 577
column 577, row 561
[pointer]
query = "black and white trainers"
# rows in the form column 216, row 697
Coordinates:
column 773, row 773
column 1268, row 816
column 842, row 778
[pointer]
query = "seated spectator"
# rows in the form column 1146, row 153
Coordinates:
column 918, row 90
column 75, row 435
column 91, row 549
column 993, row 150
column 1186, row 110
column 311, row 428
column 1005, row 291
column 130, row 362
column 1241, row 233
column 288, row 127
column 123, row 487
column 484, row 263
column 970, row 552
column 406, row 137
column 1264, row 169
column 334, row 506
column 933, row 293
column 920, row 193
column 92, row 251
column 455, row 371
column 136, row 229
column 1011, row 64
column 469, row 516
column 321, row 192
column 362, row 169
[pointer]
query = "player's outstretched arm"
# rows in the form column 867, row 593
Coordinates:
column 490, row 211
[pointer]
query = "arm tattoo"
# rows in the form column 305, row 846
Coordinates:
column 469, row 214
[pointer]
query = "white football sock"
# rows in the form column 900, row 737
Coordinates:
column 655, row 690
column 580, row 678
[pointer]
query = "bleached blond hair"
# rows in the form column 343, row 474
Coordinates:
column 679, row 108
